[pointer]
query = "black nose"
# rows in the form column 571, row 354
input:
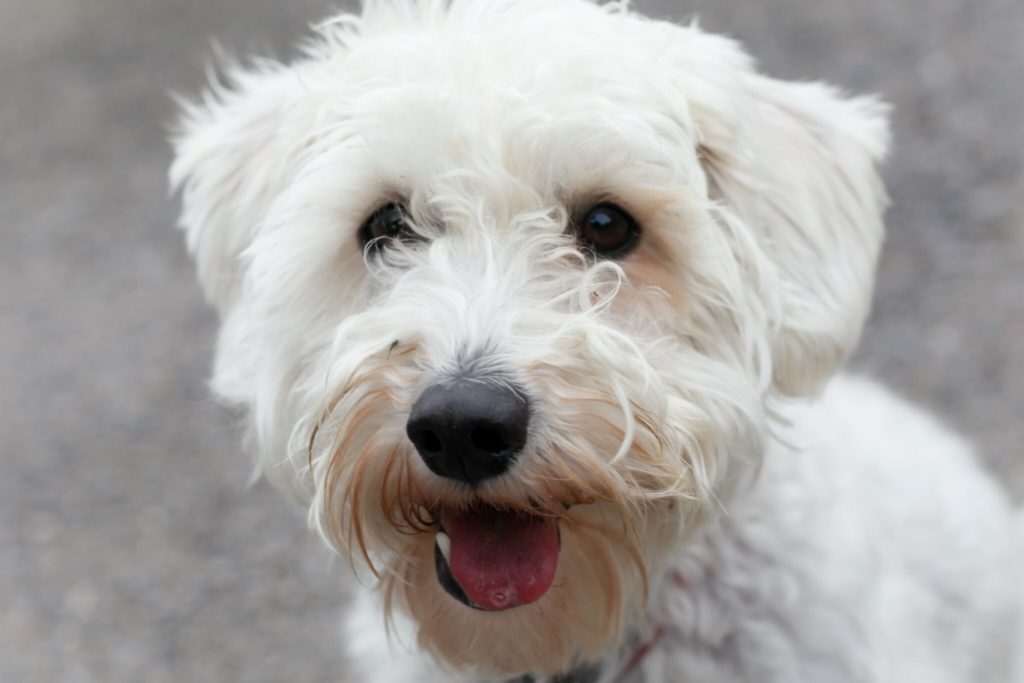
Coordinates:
column 469, row 429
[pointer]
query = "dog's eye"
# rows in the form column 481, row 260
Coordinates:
column 608, row 230
column 387, row 223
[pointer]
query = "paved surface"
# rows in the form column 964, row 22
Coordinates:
column 130, row 549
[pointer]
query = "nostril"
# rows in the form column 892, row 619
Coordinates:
column 488, row 440
column 428, row 441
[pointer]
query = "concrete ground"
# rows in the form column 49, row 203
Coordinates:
column 131, row 548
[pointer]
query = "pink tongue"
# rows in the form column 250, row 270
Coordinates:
column 501, row 559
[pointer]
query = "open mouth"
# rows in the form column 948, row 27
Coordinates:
column 493, row 560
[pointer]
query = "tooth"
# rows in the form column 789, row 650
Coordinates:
column 445, row 544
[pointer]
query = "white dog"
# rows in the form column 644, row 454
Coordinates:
column 538, row 305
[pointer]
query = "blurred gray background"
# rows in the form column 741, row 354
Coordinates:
column 130, row 548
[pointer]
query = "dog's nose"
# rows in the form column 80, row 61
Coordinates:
column 469, row 429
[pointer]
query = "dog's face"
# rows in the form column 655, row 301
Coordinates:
column 508, row 289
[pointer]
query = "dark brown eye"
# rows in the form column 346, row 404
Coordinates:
column 609, row 230
column 387, row 223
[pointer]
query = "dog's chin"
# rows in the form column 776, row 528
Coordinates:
column 493, row 560
column 509, row 590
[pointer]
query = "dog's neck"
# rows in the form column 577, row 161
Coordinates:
column 582, row 674
column 626, row 670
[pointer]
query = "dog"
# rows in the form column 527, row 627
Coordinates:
column 539, row 308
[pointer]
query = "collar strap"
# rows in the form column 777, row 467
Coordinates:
column 581, row 674
column 643, row 648
column 592, row 673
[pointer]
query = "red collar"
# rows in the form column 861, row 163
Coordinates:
column 640, row 652
column 643, row 649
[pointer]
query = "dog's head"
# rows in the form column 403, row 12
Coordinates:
column 508, row 289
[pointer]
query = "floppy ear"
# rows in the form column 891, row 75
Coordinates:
column 796, row 163
column 235, row 151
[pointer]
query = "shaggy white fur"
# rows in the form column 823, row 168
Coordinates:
column 667, row 257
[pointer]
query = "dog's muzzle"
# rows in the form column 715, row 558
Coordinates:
column 472, row 430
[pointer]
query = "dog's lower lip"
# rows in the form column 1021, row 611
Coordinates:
column 447, row 581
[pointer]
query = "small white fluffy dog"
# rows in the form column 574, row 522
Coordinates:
column 538, row 305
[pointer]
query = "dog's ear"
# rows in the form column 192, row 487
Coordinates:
column 796, row 163
column 235, row 151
